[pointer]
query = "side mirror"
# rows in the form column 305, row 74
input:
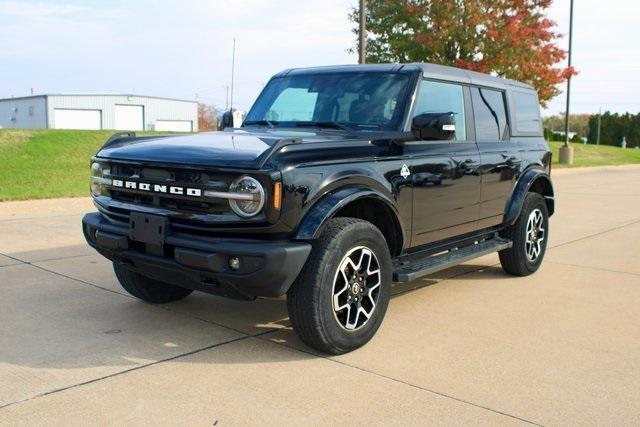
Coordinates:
column 225, row 120
column 434, row 126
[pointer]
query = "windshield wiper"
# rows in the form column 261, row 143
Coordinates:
column 269, row 123
column 325, row 124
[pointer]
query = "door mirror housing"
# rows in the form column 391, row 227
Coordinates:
column 434, row 126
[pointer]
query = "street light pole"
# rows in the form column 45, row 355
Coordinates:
column 233, row 71
column 566, row 151
column 362, row 33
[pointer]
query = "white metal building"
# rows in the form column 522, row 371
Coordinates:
column 99, row 111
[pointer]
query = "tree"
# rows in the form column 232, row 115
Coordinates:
column 509, row 38
column 207, row 117
column 578, row 123
column 615, row 126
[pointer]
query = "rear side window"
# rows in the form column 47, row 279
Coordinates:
column 490, row 114
column 527, row 112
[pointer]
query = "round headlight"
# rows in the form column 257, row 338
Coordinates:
column 98, row 179
column 253, row 202
column 96, row 169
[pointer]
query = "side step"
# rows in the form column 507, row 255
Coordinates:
column 411, row 270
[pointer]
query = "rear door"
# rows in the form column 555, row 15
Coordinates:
column 498, row 154
column 446, row 186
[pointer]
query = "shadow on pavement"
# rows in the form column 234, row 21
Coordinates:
column 52, row 319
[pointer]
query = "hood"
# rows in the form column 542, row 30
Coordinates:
column 239, row 148
column 219, row 149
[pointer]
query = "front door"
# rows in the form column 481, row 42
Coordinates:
column 444, row 177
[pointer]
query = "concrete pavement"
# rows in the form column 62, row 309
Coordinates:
column 469, row 345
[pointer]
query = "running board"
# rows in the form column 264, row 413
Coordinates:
column 409, row 271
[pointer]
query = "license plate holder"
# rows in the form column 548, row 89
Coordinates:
column 147, row 228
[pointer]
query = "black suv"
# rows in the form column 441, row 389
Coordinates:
column 340, row 181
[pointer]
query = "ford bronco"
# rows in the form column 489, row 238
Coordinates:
column 340, row 181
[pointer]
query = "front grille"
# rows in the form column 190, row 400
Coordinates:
column 187, row 212
column 171, row 177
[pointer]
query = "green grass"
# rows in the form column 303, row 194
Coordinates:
column 36, row 164
column 596, row 155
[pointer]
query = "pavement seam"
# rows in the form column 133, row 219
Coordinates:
column 599, row 233
column 594, row 268
column 136, row 368
column 13, row 258
column 47, row 259
column 405, row 383
column 159, row 306
column 60, row 258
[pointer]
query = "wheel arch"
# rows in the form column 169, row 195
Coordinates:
column 355, row 202
column 532, row 180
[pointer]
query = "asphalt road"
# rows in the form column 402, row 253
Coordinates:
column 470, row 345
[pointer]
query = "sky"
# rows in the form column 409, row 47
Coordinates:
column 183, row 48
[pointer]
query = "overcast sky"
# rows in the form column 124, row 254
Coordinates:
column 183, row 48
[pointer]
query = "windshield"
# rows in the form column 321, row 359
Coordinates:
column 365, row 101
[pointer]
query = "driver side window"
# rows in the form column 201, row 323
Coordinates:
column 437, row 97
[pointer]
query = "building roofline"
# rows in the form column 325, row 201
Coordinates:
column 46, row 95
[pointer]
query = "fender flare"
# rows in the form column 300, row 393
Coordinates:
column 527, row 180
column 327, row 206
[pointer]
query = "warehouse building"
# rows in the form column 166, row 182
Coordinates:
column 99, row 111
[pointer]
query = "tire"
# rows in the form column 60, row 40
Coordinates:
column 527, row 253
column 147, row 289
column 321, row 284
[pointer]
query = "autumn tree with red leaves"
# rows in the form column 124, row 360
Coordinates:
column 508, row 38
column 207, row 117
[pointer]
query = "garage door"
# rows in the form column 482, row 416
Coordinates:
column 77, row 119
column 129, row 117
column 174, row 125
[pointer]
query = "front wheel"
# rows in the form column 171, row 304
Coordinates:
column 529, row 235
column 340, row 298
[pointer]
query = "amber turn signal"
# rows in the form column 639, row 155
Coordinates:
column 277, row 195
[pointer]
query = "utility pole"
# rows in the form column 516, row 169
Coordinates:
column 362, row 33
column 226, row 98
column 599, row 122
column 566, row 151
column 233, row 70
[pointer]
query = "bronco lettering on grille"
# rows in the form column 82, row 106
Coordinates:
column 157, row 188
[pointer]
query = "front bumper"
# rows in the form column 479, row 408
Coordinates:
column 267, row 268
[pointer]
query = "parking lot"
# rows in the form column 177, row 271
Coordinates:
column 469, row 345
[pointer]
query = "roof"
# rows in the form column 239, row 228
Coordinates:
column 96, row 94
column 429, row 70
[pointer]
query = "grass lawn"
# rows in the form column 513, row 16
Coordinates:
column 595, row 155
column 45, row 163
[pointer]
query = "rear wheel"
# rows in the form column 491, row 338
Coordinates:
column 147, row 289
column 529, row 234
column 340, row 298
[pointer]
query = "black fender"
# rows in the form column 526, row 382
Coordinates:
column 532, row 179
column 326, row 207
